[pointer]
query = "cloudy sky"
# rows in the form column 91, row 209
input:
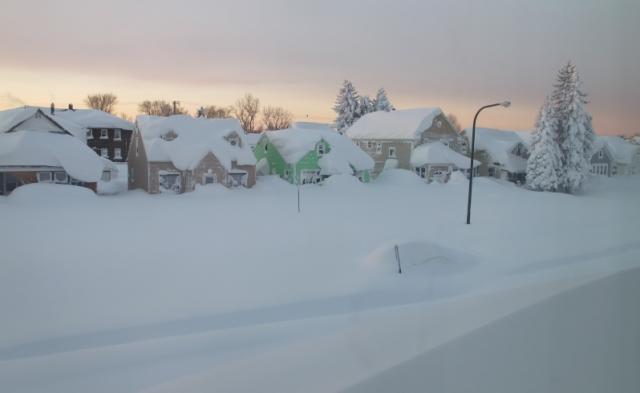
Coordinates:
column 457, row 54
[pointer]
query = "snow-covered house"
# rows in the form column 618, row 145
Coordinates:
column 175, row 153
column 108, row 135
column 390, row 137
column 624, row 156
column 35, row 147
column 310, row 155
column 435, row 161
column 503, row 154
column 602, row 158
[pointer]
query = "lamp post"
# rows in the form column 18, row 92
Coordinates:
column 505, row 104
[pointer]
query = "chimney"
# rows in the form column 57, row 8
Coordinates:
column 71, row 107
column 53, row 108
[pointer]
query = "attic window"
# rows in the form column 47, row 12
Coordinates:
column 439, row 124
column 169, row 136
column 600, row 154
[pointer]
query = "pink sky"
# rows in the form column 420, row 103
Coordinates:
column 457, row 55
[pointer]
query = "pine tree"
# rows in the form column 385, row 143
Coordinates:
column 346, row 106
column 573, row 127
column 365, row 105
column 544, row 167
column 382, row 101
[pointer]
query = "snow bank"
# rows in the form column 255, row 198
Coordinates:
column 400, row 124
column 399, row 178
column 51, row 194
column 419, row 257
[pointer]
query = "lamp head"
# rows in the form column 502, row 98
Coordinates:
column 506, row 104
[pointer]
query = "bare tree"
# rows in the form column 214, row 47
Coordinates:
column 161, row 108
column 214, row 112
column 125, row 116
column 246, row 111
column 276, row 118
column 102, row 101
column 453, row 120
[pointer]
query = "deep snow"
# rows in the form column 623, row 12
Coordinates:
column 223, row 289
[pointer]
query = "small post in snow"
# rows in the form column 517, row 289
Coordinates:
column 398, row 259
column 298, row 198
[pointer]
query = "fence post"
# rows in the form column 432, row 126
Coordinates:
column 398, row 259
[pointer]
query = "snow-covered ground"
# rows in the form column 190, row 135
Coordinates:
column 234, row 290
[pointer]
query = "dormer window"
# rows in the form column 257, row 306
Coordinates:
column 320, row 148
column 104, row 133
column 234, row 141
column 169, row 136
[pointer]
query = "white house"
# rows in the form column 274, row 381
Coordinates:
column 503, row 153
column 435, row 161
column 34, row 148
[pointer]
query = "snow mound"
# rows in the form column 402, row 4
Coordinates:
column 420, row 257
column 48, row 193
column 399, row 178
column 458, row 178
column 343, row 182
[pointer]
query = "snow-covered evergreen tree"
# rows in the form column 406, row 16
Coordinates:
column 347, row 106
column 382, row 101
column 544, row 168
column 365, row 105
column 573, row 127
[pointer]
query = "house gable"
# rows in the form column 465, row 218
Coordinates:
column 39, row 122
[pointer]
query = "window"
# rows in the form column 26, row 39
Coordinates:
column 132, row 174
column 106, row 176
column 379, row 147
column 89, row 134
column 104, row 152
column 439, row 124
column 266, row 147
column 117, row 135
column 60, row 177
column 369, row 145
column 44, row 177
column 320, row 149
column 600, row 154
column 117, row 153
column 392, row 152
column 104, row 134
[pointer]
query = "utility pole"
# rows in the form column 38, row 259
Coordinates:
column 175, row 106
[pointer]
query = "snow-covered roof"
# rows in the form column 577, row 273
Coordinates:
column 10, row 118
column 308, row 125
column 623, row 151
column 400, row 124
column 92, row 118
column 25, row 148
column 438, row 153
column 195, row 138
column 252, row 138
column 294, row 143
column 498, row 144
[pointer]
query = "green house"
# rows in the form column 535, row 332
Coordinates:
column 308, row 154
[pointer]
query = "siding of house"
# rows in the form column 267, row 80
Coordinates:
column 442, row 131
column 209, row 164
column 277, row 165
column 138, row 165
column 402, row 148
column 602, row 157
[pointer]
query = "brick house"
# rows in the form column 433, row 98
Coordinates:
column 176, row 153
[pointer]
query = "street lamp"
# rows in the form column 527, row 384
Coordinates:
column 505, row 104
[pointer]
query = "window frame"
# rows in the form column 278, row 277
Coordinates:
column 378, row 147
column 117, row 135
column 39, row 177
column 104, row 152
column 63, row 181
column 89, row 134
column 117, row 153
column 104, row 133
column 391, row 149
